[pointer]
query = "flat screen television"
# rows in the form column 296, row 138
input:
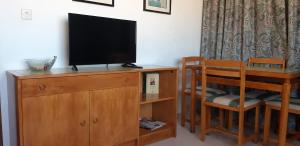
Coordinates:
column 100, row 40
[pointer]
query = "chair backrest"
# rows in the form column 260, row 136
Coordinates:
column 270, row 61
column 220, row 70
column 190, row 60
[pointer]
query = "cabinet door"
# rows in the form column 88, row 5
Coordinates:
column 56, row 120
column 114, row 116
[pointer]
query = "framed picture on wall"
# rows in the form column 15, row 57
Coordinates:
column 158, row 6
column 99, row 2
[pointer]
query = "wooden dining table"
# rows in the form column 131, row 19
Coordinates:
column 284, row 78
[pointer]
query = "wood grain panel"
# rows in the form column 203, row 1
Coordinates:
column 50, row 86
column 146, row 111
column 225, row 63
column 114, row 116
column 151, row 137
column 130, row 143
column 57, row 120
column 166, row 112
column 168, row 84
column 222, row 73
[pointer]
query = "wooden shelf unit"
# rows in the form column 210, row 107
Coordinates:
column 106, row 102
column 161, row 109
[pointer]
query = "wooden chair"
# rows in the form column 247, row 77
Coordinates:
column 272, row 62
column 275, row 104
column 186, row 90
column 268, row 62
column 221, row 70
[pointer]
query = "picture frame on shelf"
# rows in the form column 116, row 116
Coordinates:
column 110, row 3
column 152, row 86
column 158, row 6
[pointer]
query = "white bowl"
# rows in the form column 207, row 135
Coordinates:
column 40, row 64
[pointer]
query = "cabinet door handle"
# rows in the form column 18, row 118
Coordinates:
column 95, row 120
column 82, row 124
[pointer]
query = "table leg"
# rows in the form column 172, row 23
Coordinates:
column 284, row 113
column 193, row 100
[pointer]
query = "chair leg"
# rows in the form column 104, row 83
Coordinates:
column 183, row 110
column 256, row 128
column 192, row 114
column 230, row 118
column 203, row 122
column 267, row 126
column 208, row 117
column 241, row 128
column 221, row 117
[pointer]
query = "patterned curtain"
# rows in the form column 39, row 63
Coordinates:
column 294, row 33
column 239, row 29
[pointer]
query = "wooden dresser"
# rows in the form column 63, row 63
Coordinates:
column 92, row 107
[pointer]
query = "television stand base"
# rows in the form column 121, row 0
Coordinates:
column 130, row 65
column 74, row 68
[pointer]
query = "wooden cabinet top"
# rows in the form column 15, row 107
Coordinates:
column 61, row 72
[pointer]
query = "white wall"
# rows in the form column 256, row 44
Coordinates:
column 161, row 39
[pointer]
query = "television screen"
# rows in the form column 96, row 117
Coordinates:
column 99, row 40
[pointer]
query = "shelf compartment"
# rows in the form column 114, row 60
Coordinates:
column 148, row 136
column 162, row 108
column 144, row 101
column 167, row 83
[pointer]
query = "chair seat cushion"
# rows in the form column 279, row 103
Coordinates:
column 209, row 91
column 261, row 95
column 294, row 103
column 231, row 100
